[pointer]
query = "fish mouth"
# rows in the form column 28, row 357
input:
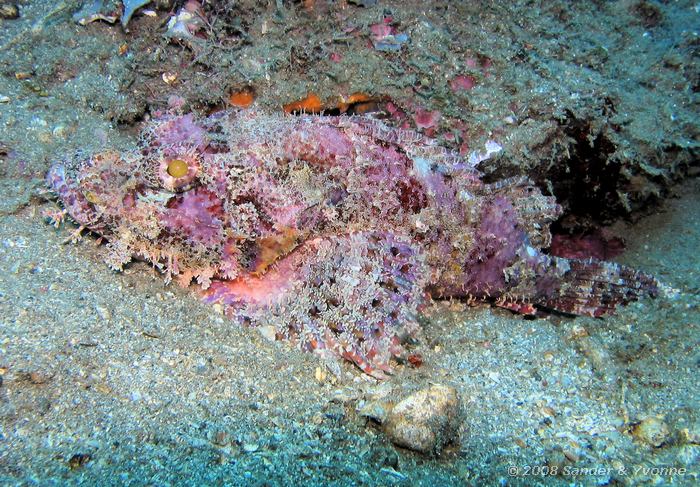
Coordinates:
column 72, row 198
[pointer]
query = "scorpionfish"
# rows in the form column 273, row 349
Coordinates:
column 335, row 231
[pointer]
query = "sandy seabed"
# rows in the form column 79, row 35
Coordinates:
column 118, row 379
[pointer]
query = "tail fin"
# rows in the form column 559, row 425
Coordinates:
column 595, row 288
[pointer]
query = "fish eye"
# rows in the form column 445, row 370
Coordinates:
column 178, row 173
column 177, row 168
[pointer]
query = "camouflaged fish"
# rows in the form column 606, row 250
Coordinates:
column 333, row 230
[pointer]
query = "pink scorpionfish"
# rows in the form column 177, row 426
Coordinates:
column 333, row 230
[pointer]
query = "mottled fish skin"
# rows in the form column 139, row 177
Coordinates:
column 334, row 230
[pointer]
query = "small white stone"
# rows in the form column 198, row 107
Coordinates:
column 268, row 332
column 250, row 447
column 59, row 131
column 103, row 312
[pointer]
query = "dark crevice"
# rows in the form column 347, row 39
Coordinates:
column 587, row 185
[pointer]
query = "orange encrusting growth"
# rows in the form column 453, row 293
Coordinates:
column 309, row 104
column 356, row 100
column 355, row 104
column 242, row 99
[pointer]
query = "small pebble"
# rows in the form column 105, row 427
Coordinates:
column 692, row 434
column 652, row 431
column 103, row 312
column 548, row 411
column 220, row 438
column 9, row 11
column 78, row 460
column 59, row 132
column 374, row 410
column 425, row 421
column 250, row 447
column 268, row 332
column 578, row 331
column 37, row 378
column 169, row 78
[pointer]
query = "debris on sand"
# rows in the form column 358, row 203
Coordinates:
column 386, row 37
